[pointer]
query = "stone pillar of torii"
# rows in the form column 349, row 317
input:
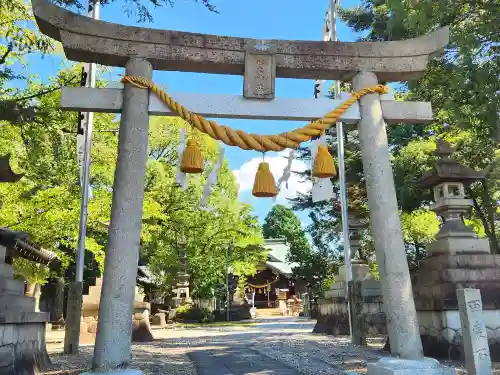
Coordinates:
column 141, row 50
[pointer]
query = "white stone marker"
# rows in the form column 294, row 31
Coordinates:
column 474, row 336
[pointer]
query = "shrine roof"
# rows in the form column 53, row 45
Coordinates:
column 277, row 257
column 94, row 41
column 144, row 276
column 19, row 244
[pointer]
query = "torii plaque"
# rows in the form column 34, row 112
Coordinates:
column 140, row 50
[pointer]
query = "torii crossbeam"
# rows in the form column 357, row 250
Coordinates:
column 140, row 50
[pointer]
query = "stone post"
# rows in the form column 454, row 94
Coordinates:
column 73, row 316
column 357, row 316
column 386, row 226
column 112, row 348
column 475, row 340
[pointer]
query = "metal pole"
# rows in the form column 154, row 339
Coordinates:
column 342, row 184
column 74, row 306
column 89, row 70
column 227, row 285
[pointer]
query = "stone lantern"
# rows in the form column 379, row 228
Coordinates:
column 448, row 179
column 359, row 269
column 182, row 290
column 457, row 258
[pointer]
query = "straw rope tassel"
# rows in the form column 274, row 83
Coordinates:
column 264, row 185
column 324, row 166
column 192, row 160
column 248, row 141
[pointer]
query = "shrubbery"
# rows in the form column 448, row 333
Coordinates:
column 188, row 312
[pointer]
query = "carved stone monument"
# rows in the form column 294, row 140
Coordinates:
column 458, row 258
column 475, row 339
column 140, row 50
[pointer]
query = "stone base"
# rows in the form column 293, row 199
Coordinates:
column 119, row 372
column 141, row 331
column 336, row 324
column 434, row 290
column 441, row 332
column 397, row 366
column 438, row 277
column 141, row 327
column 454, row 245
column 159, row 320
column 333, row 316
column 22, row 348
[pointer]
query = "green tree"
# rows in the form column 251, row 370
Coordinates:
column 316, row 265
column 174, row 213
column 19, row 39
column 281, row 222
column 46, row 202
column 462, row 85
column 419, row 229
column 141, row 9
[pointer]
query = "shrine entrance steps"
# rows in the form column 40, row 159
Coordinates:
column 238, row 361
column 267, row 312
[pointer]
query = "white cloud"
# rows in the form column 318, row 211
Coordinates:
column 246, row 175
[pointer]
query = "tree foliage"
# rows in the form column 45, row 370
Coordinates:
column 142, row 10
column 19, row 39
column 316, row 265
column 175, row 217
column 46, row 202
column 463, row 88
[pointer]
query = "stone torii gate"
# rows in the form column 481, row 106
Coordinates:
column 140, row 50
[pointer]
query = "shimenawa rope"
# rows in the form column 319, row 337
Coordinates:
column 250, row 141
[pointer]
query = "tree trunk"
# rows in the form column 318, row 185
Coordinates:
column 490, row 213
column 489, row 230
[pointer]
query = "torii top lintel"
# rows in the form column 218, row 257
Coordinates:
column 88, row 40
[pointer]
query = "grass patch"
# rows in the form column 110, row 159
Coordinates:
column 215, row 324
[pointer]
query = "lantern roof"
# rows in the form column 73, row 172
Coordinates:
column 449, row 170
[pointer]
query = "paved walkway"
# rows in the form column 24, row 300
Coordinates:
column 238, row 361
column 283, row 346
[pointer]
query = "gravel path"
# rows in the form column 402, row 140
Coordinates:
column 151, row 359
column 282, row 347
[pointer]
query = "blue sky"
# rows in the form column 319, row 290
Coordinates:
column 265, row 19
